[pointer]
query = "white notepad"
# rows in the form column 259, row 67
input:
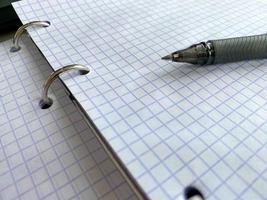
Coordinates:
column 172, row 125
column 47, row 154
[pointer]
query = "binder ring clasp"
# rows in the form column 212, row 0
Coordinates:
column 46, row 101
column 22, row 29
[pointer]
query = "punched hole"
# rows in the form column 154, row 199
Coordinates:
column 45, row 104
column 192, row 193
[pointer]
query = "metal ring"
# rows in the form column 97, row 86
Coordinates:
column 211, row 52
column 46, row 102
column 21, row 30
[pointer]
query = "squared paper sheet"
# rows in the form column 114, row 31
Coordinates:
column 47, row 154
column 171, row 124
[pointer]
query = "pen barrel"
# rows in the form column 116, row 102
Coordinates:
column 241, row 48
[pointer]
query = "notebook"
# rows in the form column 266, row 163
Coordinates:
column 171, row 125
column 48, row 154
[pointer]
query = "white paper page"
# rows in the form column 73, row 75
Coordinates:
column 48, row 154
column 171, row 124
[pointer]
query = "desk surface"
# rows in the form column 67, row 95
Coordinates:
column 171, row 124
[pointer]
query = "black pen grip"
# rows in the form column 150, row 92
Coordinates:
column 240, row 48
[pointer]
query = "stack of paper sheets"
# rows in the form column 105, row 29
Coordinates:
column 48, row 154
column 171, row 124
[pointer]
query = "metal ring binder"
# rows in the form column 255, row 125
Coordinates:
column 21, row 30
column 46, row 102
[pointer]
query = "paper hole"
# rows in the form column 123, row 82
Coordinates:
column 192, row 193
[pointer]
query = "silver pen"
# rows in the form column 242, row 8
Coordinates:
column 222, row 51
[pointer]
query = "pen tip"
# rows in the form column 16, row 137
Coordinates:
column 168, row 57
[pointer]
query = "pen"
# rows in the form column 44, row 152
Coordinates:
column 222, row 51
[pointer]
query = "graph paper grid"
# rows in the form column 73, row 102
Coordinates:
column 171, row 124
column 48, row 154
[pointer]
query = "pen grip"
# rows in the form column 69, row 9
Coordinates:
column 241, row 48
